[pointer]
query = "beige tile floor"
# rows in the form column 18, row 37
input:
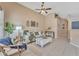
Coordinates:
column 58, row 47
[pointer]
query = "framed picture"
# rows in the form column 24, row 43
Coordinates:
column 32, row 23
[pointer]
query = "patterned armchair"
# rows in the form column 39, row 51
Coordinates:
column 8, row 48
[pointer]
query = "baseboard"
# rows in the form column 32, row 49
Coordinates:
column 74, row 44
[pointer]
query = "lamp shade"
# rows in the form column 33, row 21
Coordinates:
column 18, row 27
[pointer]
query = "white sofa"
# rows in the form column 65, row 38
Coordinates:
column 42, row 42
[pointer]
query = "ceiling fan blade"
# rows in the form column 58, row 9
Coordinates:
column 46, row 12
column 48, row 8
column 37, row 9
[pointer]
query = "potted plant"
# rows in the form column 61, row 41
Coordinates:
column 9, row 28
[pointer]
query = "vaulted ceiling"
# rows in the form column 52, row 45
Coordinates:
column 62, row 8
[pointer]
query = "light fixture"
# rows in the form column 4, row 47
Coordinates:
column 18, row 27
column 42, row 12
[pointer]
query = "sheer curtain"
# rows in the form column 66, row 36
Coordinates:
column 1, row 24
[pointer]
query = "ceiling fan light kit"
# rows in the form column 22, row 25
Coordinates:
column 42, row 12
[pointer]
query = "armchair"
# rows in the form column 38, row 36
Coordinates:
column 8, row 48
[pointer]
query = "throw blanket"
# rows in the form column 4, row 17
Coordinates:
column 6, row 41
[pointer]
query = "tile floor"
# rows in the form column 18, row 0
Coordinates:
column 58, row 47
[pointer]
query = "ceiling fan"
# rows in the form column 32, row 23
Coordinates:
column 43, row 9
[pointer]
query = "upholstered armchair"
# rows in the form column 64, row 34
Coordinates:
column 8, row 48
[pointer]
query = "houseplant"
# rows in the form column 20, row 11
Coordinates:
column 9, row 28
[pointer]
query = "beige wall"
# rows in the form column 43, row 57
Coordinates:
column 51, row 21
column 18, row 15
column 62, row 26
column 56, row 25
